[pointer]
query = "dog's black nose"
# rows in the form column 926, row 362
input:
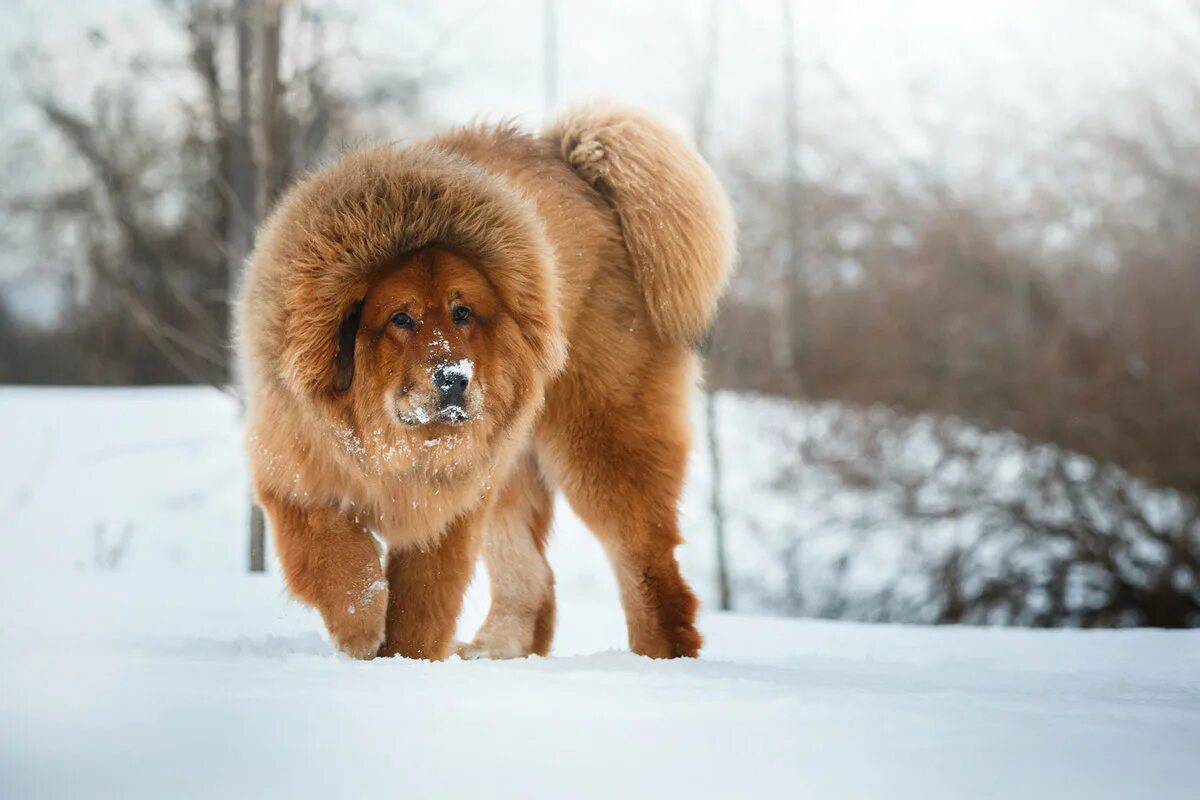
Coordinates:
column 452, row 381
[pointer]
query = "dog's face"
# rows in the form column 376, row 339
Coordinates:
column 431, row 360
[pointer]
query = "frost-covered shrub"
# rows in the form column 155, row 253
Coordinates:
column 929, row 520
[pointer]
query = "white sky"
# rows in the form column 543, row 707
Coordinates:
column 1018, row 70
column 1020, row 52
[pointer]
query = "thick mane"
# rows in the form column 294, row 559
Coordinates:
column 318, row 250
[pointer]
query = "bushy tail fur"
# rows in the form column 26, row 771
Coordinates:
column 675, row 217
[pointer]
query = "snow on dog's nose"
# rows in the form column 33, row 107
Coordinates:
column 452, row 382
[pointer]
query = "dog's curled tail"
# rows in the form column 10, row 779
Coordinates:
column 675, row 217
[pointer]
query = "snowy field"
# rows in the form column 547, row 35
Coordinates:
column 138, row 659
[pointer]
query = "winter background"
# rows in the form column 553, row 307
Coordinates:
column 944, row 504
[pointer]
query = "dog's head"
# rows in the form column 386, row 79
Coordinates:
column 431, row 358
column 408, row 299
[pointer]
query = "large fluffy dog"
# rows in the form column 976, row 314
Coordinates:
column 436, row 337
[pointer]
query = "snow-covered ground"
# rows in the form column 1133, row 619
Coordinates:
column 138, row 659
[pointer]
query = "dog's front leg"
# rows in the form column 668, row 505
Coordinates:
column 427, row 585
column 332, row 564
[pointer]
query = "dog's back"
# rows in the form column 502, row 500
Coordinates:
column 617, row 188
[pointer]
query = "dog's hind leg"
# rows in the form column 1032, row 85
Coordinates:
column 622, row 468
column 520, row 621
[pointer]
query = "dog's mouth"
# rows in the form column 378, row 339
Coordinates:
column 453, row 415
column 449, row 415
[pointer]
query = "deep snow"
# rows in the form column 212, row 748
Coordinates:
column 161, row 669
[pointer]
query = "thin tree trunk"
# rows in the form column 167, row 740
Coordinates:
column 258, row 538
column 242, row 178
column 791, row 327
column 550, row 53
column 724, row 588
column 271, row 173
column 272, row 129
column 704, row 99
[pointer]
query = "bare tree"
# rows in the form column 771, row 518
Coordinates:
column 161, row 283
column 273, row 145
column 793, row 290
column 272, row 149
column 550, row 53
column 243, row 187
column 704, row 102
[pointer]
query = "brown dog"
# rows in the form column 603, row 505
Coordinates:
column 434, row 338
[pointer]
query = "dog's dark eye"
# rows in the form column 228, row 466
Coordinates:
column 403, row 320
column 461, row 315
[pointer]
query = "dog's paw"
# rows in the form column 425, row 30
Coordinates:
column 363, row 645
column 497, row 648
column 358, row 628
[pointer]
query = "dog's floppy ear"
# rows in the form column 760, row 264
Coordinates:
column 344, row 372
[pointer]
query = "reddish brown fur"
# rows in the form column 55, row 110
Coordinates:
column 329, row 563
column 426, row 586
column 498, row 221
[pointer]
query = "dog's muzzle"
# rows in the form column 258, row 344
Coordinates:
column 452, row 382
